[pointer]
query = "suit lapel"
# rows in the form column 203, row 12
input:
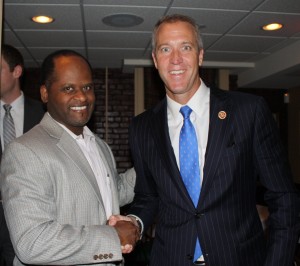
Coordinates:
column 220, row 115
column 108, row 162
column 69, row 146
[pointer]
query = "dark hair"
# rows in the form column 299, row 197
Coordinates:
column 47, row 69
column 12, row 56
column 176, row 18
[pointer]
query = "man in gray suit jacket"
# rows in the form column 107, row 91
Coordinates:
column 59, row 180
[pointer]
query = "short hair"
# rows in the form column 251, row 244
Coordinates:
column 177, row 18
column 48, row 65
column 12, row 56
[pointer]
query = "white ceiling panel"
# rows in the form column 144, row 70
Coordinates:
column 66, row 17
column 121, row 40
column 95, row 14
column 217, row 4
column 245, row 43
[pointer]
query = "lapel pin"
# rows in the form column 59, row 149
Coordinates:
column 222, row 115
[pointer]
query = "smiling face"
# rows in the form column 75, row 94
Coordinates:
column 70, row 97
column 177, row 59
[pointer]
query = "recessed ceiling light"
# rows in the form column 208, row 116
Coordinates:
column 42, row 19
column 122, row 20
column 272, row 26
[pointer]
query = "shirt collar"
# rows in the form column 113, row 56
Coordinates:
column 19, row 102
column 86, row 134
column 197, row 103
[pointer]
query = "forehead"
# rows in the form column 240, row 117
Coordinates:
column 175, row 30
column 3, row 61
column 179, row 25
column 68, row 60
column 71, row 65
column 4, row 65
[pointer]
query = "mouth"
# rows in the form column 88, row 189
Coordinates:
column 176, row 72
column 78, row 108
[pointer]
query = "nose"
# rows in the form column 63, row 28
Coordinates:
column 81, row 95
column 176, row 57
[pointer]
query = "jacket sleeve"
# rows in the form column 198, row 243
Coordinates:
column 281, row 196
column 36, row 189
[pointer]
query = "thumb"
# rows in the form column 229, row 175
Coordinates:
column 112, row 220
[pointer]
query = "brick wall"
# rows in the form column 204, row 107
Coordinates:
column 119, row 114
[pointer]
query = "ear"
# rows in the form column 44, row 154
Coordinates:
column 18, row 70
column 154, row 59
column 44, row 93
column 201, row 54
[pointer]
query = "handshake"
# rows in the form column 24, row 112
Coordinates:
column 128, row 231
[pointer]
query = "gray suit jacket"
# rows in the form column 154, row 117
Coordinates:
column 52, row 202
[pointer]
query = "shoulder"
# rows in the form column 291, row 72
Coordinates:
column 237, row 99
column 35, row 135
column 234, row 95
column 32, row 101
column 34, row 105
column 159, row 110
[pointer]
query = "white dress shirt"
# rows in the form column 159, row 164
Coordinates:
column 87, row 143
column 199, row 103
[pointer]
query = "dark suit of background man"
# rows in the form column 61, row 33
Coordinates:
column 26, row 113
column 238, row 141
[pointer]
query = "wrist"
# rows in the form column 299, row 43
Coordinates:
column 138, row 223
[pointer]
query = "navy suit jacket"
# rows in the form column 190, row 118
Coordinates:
column 33, row 113
column 243, row 145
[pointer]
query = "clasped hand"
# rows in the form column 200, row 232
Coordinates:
column 127, row 229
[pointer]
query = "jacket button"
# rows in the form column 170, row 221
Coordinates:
column 110, row 255
column 189, row 256
column 95, row 257
column 199, row 215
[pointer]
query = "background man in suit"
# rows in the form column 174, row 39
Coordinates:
column 59, row 180
column 237, row 141
column 25, row 112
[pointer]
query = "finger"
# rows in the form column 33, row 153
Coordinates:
column 127, row 248
column 112, row 221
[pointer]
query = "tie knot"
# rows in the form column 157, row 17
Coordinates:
column 185, row 111
column 7, row 107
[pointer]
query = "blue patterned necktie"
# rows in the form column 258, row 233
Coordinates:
column 8, row 126
column 189, row 163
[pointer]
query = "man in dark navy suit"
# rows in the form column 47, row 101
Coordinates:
column 25, row 112
column 237, row 141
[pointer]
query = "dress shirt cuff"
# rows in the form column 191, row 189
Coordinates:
column 139, row 223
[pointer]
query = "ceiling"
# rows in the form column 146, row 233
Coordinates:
column 231, row 31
